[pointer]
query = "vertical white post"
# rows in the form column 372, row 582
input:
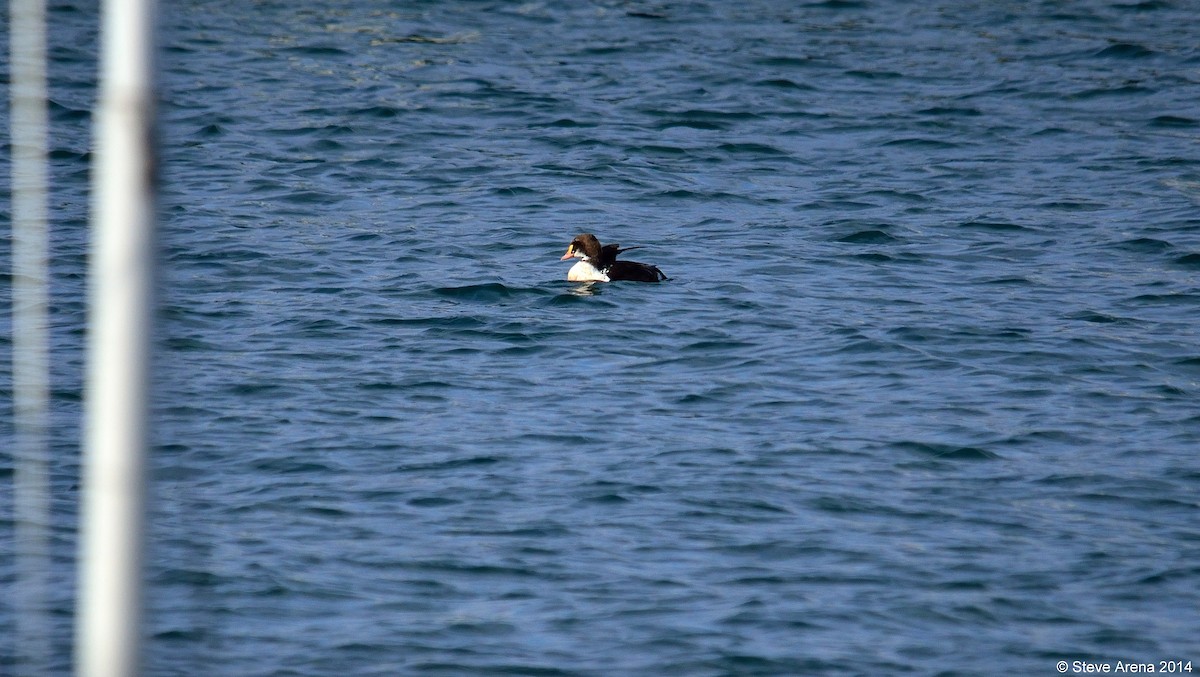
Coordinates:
column 121, row 306
column 31, row 374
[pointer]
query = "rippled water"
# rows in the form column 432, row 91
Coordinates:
column 921, row 395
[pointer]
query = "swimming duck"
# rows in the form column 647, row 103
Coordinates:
column 600, row 264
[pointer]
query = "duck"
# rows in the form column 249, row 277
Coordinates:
column 600, row 264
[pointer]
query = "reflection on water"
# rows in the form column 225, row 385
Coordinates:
column 585, row 289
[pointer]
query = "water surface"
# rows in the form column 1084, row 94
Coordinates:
column 919, row 398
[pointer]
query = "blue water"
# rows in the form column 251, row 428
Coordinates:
column 922, row 395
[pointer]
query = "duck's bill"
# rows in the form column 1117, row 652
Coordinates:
column 569, row 254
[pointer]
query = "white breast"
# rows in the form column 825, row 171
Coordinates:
column 585, row 272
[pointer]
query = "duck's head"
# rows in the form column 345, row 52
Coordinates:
column 584, row 246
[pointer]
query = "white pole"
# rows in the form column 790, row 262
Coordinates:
column 109, row 628
column 31, row 374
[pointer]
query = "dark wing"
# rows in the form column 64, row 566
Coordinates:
column 608, row 254
column 635, row 272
